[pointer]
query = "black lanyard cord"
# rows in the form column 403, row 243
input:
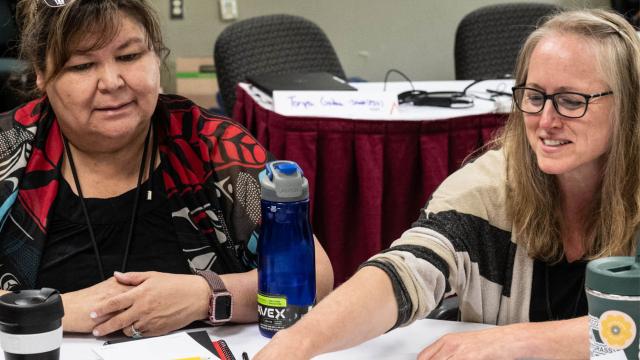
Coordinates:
column 84, row 208
column 143, row 164
column 152, row 164
column 94, row 243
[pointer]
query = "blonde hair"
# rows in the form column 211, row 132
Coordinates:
column 55, row 33
column 533, row 199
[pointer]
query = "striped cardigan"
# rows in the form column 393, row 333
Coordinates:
column 462, row 243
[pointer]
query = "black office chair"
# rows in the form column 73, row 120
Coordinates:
column 270, row 44
column 488, row 39
column 10, row 66
column 629, row 8
column 447, row 310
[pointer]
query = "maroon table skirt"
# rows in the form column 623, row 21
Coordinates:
column 368, row 178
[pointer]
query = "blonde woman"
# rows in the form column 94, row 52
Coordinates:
column 511, row 232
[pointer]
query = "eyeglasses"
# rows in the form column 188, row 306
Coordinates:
column 56, row 3
column 568, row 104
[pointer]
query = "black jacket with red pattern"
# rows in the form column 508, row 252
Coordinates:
column 210, row 171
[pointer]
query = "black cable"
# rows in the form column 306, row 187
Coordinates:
column 499, row 77
column 474, row 82
column 445, row 98
column 386, row 77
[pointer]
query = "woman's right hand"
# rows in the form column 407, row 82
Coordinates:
column 78, row 305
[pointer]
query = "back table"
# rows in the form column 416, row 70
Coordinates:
column 370, row 177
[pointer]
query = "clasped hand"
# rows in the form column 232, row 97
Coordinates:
column 152, row 302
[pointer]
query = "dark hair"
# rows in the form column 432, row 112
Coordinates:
column 53, row 34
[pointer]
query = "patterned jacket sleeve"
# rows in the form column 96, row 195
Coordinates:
column 211, row 175
column 246, row 213
column 22, row 218
column 238, row 180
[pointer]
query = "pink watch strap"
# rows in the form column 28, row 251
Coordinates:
column 214, row 280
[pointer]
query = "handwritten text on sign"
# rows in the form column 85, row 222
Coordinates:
column 334, row 103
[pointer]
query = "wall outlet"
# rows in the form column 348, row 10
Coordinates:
column 176, row 9
column 228, row 9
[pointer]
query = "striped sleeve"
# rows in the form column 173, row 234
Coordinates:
column 461, row 244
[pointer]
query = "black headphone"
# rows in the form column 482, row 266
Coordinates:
column 451, row 99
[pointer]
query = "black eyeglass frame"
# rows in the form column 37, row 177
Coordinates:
column 552, row 97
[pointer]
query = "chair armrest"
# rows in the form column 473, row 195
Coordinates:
column 448, row 310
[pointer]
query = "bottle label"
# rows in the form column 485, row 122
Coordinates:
column 274, row 313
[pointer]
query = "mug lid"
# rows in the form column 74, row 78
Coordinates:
column 619, row 275
column 31, row 307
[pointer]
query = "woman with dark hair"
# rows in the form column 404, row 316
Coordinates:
column 141, row 208
column 511, row 232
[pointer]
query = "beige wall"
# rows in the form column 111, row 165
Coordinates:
column 370, row 36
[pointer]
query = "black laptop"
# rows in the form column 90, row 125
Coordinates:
column 268, row 83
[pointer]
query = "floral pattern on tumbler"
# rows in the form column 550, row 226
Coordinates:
column 617, row 329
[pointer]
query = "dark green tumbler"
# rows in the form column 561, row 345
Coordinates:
column 613, row 293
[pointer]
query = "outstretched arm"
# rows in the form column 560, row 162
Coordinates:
column 365, row 307
column 362, row 308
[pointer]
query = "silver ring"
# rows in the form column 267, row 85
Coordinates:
column 135, row 333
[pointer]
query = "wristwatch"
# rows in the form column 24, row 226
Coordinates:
column 221, row 301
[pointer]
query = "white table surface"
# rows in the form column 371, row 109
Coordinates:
column 410, row 112
column 402, row 343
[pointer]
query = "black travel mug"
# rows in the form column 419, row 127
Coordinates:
column 31, row 324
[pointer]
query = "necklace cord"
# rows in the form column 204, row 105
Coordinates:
column 76, row 180
column 152, row 164
column 84, row 208
column 143, row 164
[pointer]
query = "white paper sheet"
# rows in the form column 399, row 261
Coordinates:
column 168, row 347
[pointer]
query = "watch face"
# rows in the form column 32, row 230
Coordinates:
column 222, row 307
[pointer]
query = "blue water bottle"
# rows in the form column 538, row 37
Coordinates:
column 286, row 256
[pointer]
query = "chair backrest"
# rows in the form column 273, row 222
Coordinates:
column 8, row 30
column 488, row 39
column 10, row 66
column 270, row 44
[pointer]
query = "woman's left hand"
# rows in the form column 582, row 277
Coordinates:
column 483, row 344
column 159, row 303
column 564, row 339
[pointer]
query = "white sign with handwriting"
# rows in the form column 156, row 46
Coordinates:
column 343, row 104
